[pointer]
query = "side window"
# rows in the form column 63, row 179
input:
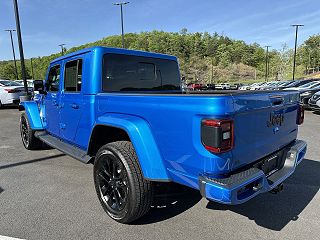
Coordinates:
column 73, row 76
column 53, row 81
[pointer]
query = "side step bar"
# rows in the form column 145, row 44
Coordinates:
column 64, row 147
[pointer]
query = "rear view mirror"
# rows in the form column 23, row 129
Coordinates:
column 38, row 86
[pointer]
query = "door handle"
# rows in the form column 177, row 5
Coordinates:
column 75, row 106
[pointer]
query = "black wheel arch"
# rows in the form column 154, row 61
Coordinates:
column 103, row 134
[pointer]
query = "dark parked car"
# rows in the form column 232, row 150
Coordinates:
column 297, row 83
column 305, row 95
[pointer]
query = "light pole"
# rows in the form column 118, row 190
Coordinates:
column 267, row 59
column 32, row 68
column 13, row 52
column 27, row 97
column 62, row 48
column 122, row 31
column 295, row 48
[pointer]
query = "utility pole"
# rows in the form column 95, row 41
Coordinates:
column 32, row 68
column 295, row 48
column 13, row 52
column 267, row 60
column 211, row 70
column 62, row 48
column 121, row 10
column 23, row 68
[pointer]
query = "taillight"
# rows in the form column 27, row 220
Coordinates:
column 217, row 135
column 10, row 90
column 300, row 114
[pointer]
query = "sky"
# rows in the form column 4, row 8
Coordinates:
column 47, row 23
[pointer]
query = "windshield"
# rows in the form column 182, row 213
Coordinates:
column 315, row 86
column 285, row 84
column 10, row 83
column 310, row 84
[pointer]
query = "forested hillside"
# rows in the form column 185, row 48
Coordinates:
column 203, row 57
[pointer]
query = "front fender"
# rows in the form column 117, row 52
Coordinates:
column 143, row 141
column 33, row 114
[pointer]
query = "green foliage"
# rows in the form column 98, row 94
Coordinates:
column 203, row 57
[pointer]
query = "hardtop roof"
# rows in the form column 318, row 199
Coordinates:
column 116, row 51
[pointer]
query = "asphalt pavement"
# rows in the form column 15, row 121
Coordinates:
column 47, row 195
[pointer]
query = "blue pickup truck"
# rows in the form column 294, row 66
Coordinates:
column 124, row 111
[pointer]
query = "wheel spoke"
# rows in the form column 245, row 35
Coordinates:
column 123, row 195
column 122, row 186
column 114, row 169
column 110, row 201
column 104, row 190
column 117, row 199
column 120, row 173
column 105, row 176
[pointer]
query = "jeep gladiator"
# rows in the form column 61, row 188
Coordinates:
column 124, row 111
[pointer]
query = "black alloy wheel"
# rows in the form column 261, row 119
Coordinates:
column 112, row 182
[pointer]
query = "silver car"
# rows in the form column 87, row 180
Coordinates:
column 10, row 92
column 314, row 102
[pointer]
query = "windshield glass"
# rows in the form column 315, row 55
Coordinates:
column 310, row 84
column 315, row 85
column 10, row 83
column 285, row 84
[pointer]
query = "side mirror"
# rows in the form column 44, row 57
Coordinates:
column 39, row 86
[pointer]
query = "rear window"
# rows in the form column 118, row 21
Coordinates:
column 10, row 83
column 134, row 73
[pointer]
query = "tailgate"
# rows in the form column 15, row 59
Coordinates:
column 263, row 124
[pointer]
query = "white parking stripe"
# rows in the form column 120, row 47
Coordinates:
column 9, row 238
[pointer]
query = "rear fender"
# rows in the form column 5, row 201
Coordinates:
column 33, row 114
column 143, row 141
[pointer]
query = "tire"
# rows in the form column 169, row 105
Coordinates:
column 121, row 188
column 29, row 141
column 0, row 104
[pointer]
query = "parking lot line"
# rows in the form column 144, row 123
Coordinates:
column 9, row 238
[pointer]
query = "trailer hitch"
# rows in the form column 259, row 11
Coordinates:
column 277, row 189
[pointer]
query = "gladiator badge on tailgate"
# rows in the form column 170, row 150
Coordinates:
column 276, row 119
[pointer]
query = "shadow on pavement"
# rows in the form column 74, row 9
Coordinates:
column 316, row 112
column 30, row 161
column 9, row 107
column 276, row 211
column 1, row 190
column 171, row 199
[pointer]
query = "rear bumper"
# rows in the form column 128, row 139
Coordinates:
column 243, row 186
column 11, row 98
column 11, row 101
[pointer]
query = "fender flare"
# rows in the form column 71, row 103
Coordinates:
column 33, row 114
column 140, row 134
